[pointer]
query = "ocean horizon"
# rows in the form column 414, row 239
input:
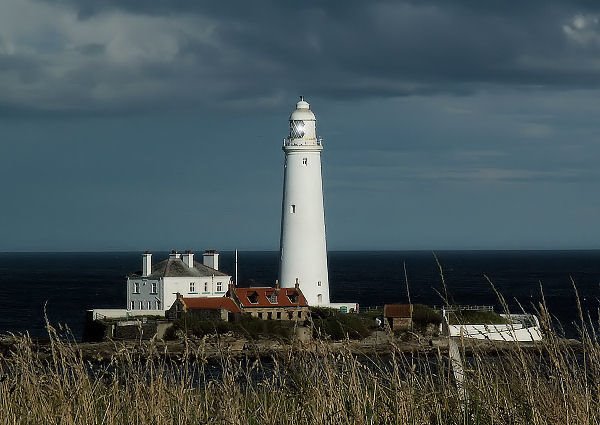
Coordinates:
column 66, row 284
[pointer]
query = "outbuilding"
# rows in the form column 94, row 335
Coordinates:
column 222, row 308
column 271, row 303
column 398, row 316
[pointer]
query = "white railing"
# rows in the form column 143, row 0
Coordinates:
column 293, row 142
column 464, row 307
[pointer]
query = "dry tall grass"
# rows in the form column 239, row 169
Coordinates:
column 555, row 383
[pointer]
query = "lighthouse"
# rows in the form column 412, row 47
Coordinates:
column 303, row 248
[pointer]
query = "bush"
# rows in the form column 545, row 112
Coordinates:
column 424, row 315
column 246, row 326
column 192, row 324
column 328, row 322
column 255, row 328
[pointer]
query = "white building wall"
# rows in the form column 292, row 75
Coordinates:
column 194, row 287
column 168, row 287
column 142, row 295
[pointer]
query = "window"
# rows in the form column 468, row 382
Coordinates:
column 279, row 315
column 304, row 161
column 149, row 305
column 293, row 209
column 319, row 283
column 253, row 297
column 320, row 298
column 300, row 314
column 136, row 287
column 192, row 286
column 132, row 305
column 260, row 315
column 141, row 305
column 296, row 129
column 219, row 286
column 158, row 304
column 290, row 315
column 205, row 286
column 270, row 315
column 153, row 288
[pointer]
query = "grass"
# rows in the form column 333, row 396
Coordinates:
column 553, row 383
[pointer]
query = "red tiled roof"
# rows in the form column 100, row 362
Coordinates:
column 206, row 303
column 262, row 295
column 397, row 310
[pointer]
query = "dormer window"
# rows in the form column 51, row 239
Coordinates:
column 273, row 298
column 253, row 297
column 293, row 297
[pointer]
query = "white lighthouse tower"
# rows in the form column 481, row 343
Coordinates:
column 303, row 248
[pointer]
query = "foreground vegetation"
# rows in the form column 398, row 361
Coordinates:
column 326, row 323
column 554, row 383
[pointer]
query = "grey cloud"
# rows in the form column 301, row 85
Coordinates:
column 270, row 49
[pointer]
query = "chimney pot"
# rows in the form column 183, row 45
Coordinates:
column 146, row 264
column 210, row 258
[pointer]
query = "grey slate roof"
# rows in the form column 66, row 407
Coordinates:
column 174, row 267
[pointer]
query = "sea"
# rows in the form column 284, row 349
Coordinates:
column 60, row 287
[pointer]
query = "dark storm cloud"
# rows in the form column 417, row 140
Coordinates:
column 220, row 53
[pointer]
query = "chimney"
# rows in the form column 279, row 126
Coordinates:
column 146, row 264
column 188, row 258
column 210, row 258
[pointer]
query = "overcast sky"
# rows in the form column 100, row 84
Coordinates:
column 133, row 125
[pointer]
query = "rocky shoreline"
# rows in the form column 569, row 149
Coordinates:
column 215, row 347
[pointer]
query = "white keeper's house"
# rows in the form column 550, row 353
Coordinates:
column 156, row 286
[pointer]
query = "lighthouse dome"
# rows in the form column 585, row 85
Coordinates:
column 302, row 112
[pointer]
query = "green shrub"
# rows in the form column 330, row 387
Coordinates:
column 424, row 315
column 328, row 322
column 246, row 326
column 255, row 328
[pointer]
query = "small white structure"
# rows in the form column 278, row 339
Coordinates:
column 521, row 328
column 155, row 287
column 303, row 251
